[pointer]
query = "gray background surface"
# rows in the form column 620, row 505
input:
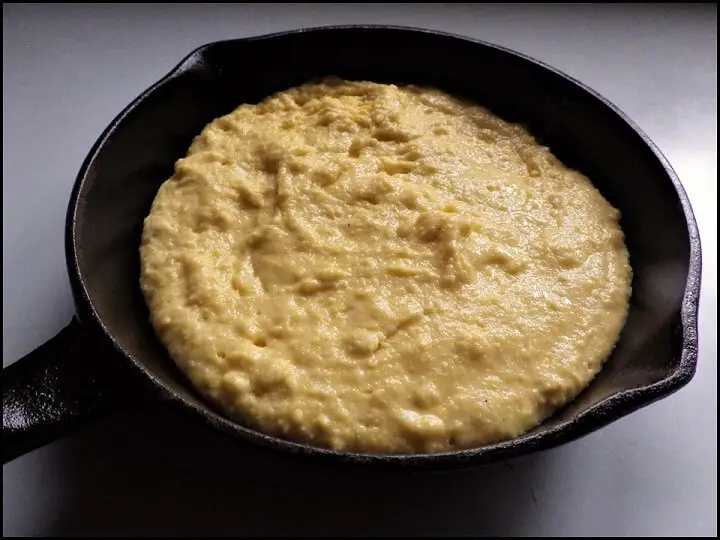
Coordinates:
column 69, row 69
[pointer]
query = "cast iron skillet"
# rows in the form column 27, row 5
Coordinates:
column 108, row 359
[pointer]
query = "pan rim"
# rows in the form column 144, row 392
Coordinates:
column 602, row 413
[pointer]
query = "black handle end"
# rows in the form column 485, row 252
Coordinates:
column 58, row 388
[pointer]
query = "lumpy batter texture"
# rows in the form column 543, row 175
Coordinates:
column 382, row 269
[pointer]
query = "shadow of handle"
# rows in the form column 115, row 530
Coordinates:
column 62, row 386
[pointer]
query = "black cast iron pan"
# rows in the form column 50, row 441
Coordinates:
column 108, row 359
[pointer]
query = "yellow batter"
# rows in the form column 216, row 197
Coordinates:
column 382, row 269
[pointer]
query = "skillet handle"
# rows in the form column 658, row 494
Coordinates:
column 57, row 389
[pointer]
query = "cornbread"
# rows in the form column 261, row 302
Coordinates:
column 382, row 269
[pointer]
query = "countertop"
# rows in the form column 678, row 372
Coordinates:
column 69, row 69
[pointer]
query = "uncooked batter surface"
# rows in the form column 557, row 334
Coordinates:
column 382, row 269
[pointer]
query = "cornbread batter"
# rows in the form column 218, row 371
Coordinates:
column 382, row 269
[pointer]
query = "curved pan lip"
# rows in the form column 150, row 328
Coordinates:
column 597, row 416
